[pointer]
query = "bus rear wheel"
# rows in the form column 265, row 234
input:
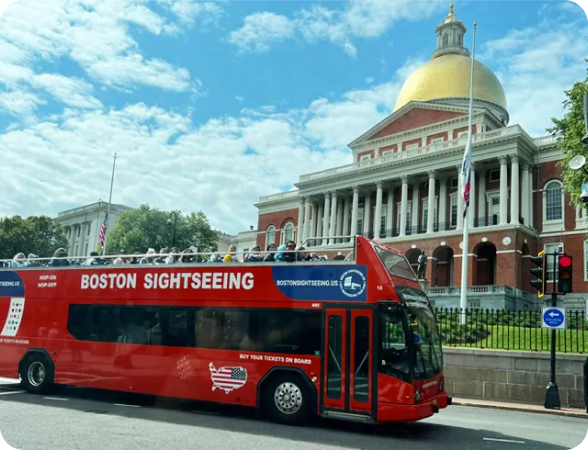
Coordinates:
column 37, row 374
column 287, row 400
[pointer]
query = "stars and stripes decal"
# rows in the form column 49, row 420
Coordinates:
column 227, row 378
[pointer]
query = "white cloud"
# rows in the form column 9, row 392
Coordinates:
column 190, row 10
column 535, row 66
column 359, row 19
column 260, row 30
column 70, row 91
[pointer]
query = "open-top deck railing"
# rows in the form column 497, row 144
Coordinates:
column 345, row 255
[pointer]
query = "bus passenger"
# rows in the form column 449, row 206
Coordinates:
column 231, row 255
column 270, row 257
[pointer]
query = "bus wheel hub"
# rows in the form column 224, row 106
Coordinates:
column 288, row 398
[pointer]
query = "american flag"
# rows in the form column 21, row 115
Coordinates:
column 227, row 378
column 102, row 235
column 466, row 171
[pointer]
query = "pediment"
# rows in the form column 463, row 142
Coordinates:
column 412, row 116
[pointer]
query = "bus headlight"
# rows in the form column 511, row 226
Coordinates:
column 417, row 395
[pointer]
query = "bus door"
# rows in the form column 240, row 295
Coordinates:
column 348, row 363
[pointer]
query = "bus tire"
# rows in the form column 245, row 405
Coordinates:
column 287, row 400
column 37, row 374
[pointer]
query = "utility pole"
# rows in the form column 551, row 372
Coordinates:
column 552, row 400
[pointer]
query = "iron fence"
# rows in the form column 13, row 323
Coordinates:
column 510, row 330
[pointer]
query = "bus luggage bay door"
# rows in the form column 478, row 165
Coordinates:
column 347, row 376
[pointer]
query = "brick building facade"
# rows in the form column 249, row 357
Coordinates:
column 517, row 202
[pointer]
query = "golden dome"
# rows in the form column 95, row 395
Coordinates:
column 448, row 76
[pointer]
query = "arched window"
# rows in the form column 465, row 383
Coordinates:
column 553, row 201
column 270, row 235
column 289, row 232
column 445, row 40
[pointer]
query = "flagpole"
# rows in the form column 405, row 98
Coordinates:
column 463, row 300
column 108, row 208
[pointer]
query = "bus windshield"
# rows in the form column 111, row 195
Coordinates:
column 395, row 264
column 427, row 341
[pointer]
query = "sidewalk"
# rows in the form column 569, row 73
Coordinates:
column 569, row 412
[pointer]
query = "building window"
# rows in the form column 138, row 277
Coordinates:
column 79, row 230
column 549, row 266
column 359, row 221
column 270, row 235
column 89, row 229
column 412, row 147
column 553, row 201
column 437, row 142
column 383, row 221
column 408, row 211
column 425, row 214
column 289, row 232
column 365, row 157
column 494, row 175
column 387, row 152
column 454, row 183
column 453, row 211
column 462, row 135
column 86, row 252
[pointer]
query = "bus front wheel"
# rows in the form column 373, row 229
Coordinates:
column 287, row 400
column 37, row 374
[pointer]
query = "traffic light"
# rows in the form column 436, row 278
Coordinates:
column 564, row 274
column 539, row 272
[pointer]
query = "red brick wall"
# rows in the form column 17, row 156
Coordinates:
column 414, row 141
column 389, row 147
column 369, row 152
column 414, row 119
column 435, row 136
column 277, row 219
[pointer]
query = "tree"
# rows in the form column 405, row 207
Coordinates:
column 569, row 132
column 40, row 235
column 140, row 229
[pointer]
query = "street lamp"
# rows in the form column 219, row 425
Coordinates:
column 173, row 229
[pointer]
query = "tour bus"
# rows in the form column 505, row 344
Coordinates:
column 352, row 339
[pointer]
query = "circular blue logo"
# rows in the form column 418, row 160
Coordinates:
column 352, row 283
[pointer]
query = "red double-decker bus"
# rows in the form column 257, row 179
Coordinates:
column 353, row 339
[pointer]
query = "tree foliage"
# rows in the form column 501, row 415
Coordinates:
column 146, row 227
column 40, row 235
column 569, row 132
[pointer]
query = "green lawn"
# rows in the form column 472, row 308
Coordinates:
column 529, row 339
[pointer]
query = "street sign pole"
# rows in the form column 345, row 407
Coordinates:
column 552, row 400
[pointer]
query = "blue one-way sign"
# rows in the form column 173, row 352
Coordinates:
column 554, row 318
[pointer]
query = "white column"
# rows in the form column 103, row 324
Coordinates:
column 300, row 225
column 312, row 220
column 319, row 223
column 345, row 231
column 378, row 213
column 443, row 225
column 531, row 197
column 339, row 229
column 482, row 219
column 514, row 187
column 415, row 207
column 390, row 212
column 333, row 224
column 472, row 207
column 354, row 212
column 503, row 191
column 459, row 200
column 367, row 209
column 431, row 205
column 403, row 206
column 306, row 228
column 525, row 197
column 326, row 217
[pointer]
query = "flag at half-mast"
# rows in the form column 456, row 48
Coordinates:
column 102, row 235
column 466, row 174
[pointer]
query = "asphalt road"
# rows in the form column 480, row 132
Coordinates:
column 88, row 419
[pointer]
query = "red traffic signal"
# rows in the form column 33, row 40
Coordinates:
column 564, row 274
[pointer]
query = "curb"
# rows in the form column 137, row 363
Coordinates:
column 514, row 407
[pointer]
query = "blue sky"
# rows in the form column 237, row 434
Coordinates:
column 210, row 105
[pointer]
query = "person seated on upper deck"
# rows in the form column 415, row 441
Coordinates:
column 94, row 260
column 163, row 254
column 121, row 259
column 149, row 257
column 339, row 257
column 59, row 258
column 172, row 258
column 290, row 255
column 19, row 260
column 187, row 257
column 255, row 255
column 33, row 260
column 231, row 255
column 269, row 257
